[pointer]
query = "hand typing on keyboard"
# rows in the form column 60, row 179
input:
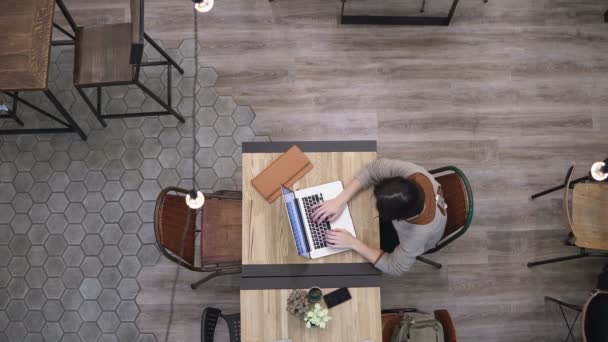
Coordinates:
column 340, row 238
column 328, row 210
column 317, row 229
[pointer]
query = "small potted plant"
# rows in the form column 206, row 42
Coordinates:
column 297, row 303
column 317, row 317
column 315, row 294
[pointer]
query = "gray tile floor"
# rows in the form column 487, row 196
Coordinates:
column 76, row 216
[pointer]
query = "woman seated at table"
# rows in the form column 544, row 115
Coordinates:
column 412, row 214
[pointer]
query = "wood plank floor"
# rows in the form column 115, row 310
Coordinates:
column 511, row 92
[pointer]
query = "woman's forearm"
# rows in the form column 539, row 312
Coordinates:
column 350, row 191
column 369, row 253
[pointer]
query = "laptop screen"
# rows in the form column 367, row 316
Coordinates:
column 295, row 220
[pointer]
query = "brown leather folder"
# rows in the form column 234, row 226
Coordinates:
column 285, row 170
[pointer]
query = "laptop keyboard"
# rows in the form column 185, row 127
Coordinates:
column 317, row 230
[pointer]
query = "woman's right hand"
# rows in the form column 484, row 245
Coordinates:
column 328, row 210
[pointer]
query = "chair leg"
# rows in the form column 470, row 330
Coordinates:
column 563, row 305
column 194, row 286
column 96, row 111
column 582, row 254
column 215, row 274
column 559, row 187
column 13, row 111
column 164, row 54
column 159, row 101
column 429, row 262
column 568, row 241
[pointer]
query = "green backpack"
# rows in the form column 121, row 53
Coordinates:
column 418, row 327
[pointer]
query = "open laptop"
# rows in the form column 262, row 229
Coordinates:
column 308, row 235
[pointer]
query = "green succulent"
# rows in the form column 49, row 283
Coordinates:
column 318, row 316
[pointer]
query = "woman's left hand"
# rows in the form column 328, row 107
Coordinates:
column 340, row 238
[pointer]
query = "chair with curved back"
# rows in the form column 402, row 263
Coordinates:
column 594, row 316
column 211, row 317
column 577, row 237
column 392, row 318
column 458, row 196
column 220, row 232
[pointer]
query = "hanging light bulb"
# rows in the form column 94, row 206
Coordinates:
column 599, row 171
column 203, row 6
column 195, row 199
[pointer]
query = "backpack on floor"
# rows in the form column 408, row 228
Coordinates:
column 418, row 327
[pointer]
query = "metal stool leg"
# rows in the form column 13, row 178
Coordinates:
column 159, row 101
column 13, row 111
column 96, row 111
column 164, row 54
column 581, row 254
column 65, row 114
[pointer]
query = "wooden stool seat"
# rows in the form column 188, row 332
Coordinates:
column 103, row 54
column 221, row 231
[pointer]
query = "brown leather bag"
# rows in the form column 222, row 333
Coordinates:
column 285, row 170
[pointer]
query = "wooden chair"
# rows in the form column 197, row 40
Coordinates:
column 111, row 55
column 392, row 318
column 458, row 196
column 577, row 236
column 209, row 321
column 220, row 233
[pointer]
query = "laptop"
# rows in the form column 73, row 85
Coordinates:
column 308, row 235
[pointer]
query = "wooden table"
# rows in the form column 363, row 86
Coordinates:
column 590, row 215
column 267, row 241
column 264, row 318
column 26, row 27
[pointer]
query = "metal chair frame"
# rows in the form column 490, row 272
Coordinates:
column 582, row 252
column 397, row 20
column 446, row 241
column 576, row 308
column 136, row 60
column 216, row 270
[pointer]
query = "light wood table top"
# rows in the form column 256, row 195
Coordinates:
column 264, row 318
column 26, row 27
column 267, row 237
column 267, row 241
column 590, row 215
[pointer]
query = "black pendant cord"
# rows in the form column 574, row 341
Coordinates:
column 194, row 142
column 194, row 188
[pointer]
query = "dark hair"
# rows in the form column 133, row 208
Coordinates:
column 398, row 198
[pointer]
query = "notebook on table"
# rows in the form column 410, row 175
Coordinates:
column 285, row 170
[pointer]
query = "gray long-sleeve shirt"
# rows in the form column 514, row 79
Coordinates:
column 414, row 239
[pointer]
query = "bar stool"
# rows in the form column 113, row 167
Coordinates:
column 111, row 55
